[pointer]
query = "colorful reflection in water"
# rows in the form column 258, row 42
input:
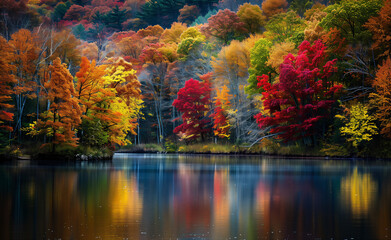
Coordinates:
column 196, row 197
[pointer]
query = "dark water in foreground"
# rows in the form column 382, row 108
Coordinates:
column 196, row 197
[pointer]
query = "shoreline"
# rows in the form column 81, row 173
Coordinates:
column 48, row 157
column 244, row 154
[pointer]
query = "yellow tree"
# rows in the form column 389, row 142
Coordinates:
column 124, row 102
column 230, row 68
column 359, row 124
column 278, row 52
column 252, row 17
column 173, row 34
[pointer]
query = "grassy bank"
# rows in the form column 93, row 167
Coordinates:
column 266, row 147
column 62, row 153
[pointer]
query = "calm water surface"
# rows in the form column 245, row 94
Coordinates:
column 140, row 196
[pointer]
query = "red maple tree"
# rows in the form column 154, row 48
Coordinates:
column 295, row 106
column 193, row 102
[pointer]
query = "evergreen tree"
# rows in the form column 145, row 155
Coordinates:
column 116, row 17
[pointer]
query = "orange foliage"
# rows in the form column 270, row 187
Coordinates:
column 220, row 116
column 334, row 41
column 152, row 31
column 273, row 7
column 382, row 97
column 380, row 26
column 64, row 114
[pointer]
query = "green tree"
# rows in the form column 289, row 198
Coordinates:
column 286, row 26
column 116, row 17
column 300, row 6
column 349, row 16
column 258, row 57
column 60, row 10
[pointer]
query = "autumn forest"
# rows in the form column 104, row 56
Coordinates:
column 220, row 76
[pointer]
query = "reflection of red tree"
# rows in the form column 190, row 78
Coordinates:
column 280, row 207
column 192, row 204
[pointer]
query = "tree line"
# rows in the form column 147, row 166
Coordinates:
column 108, row 73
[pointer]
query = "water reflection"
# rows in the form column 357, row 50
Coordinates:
column 358, row 193
column 194, row 197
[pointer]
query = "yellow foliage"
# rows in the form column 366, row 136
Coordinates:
column 359, row 125
column 233, row 61
column 313, row 31
column 278, row 52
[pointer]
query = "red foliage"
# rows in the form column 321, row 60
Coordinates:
column 224, row 25
column 65, row 23
column 193, row 102
column 303, row 96
column 76, row 12
column 118, row 36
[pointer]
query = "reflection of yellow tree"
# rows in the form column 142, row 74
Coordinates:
column 358, row 192
column 124, row 198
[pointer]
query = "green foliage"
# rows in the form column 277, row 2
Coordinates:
column 349, row 16
column 259, row 57
column 60, row 10
column 204, row 19
column 300, row 6
column 209, row 148
column 116, row 17
column 189, row 44
column 94, row 133
column 170, row 147
column 79, row 31
column 285, row 26
column 335, row 150
column 163, row 12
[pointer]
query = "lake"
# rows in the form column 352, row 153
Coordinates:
column 153, row 196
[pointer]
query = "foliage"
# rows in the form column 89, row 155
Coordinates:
column 252, row 16
column 380, row 100
column 193, row 102
column 349, row 17
column 225, row 25
column 258, row 57
column 6, row 81
column 173, row 34
column 188, row 14
column 360, row 125
column 64, row 114
column 285, row 26
column 301, row 6
column 273, row 7
column 380, row 27
column 296, row 105
column 204, row 19
column 116, row 17
column 220, row 116
column 277, row 54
